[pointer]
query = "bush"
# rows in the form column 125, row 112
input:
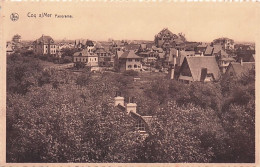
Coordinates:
column 130, row 73
column 83, row 80
column 79, row 65
column 67, row 59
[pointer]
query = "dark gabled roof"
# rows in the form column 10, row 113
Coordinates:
column 45, row 40
column 84, row 53
column 149, row 120
column 197, row 63
column 130, row 54
column 247, row 57
column 243, row 68
column 100, row 50
column 209, row 50
column 165, row 31
column 89, row 43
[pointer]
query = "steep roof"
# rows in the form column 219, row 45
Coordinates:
column 209, row 50
column 197, row 63
column 182, row 55
column 165, row 31
column 84, row 52
column 45, row 40
column 129, row 54
column 243, row 68
column 89, row 43
column 247, row 57
column 119, row 53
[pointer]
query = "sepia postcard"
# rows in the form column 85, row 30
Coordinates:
column 129, row 83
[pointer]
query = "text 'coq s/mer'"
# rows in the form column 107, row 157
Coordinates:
column 48, row 15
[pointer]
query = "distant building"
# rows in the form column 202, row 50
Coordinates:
column 203, row 69
column 215, row 50
column 44, row 46
column 105, row 57
column 224, row 62
column 238, row 69
column 90, row 59
column 166, row 39
column 226, row 43
column 129, row 61
column 90, row 46
column 200, row 49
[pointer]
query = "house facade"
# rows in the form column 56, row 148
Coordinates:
column 90, row 59
column 130, row 61
column 45, row 46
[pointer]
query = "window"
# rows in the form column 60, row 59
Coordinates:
column 129, row 66
column 95, row 59
column 135, row 66
column 130, row 60
column 137, row 60
column 140, row 126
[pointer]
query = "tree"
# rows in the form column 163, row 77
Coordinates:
column 184, row 134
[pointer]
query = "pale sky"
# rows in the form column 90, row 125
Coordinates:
column 135, row 20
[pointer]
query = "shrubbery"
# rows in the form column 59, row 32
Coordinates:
column 60, row 116
column 130, row 73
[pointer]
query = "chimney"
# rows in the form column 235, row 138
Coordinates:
column 174, row 60
column 203, row 74
column 131, row 106
column 119, row 100
column 171, row 72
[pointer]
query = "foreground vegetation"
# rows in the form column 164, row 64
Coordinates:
column 61, row 116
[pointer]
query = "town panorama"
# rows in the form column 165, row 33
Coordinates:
column 169, row 100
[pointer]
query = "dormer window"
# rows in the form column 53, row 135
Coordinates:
column 140, row 126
